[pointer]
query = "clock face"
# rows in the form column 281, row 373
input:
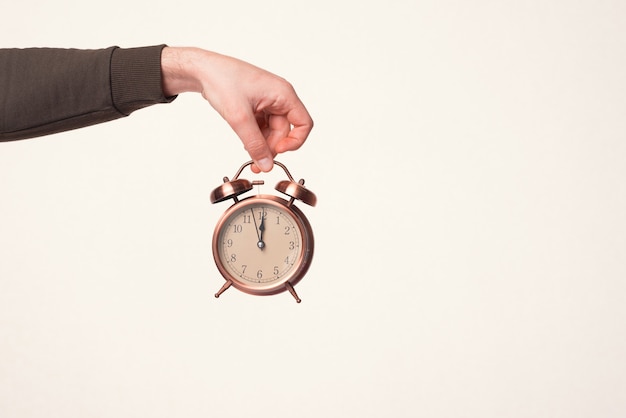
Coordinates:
column 261, row 243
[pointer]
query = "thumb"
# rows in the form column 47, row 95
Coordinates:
column 247, row 129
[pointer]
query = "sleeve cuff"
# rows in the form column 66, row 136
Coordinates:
column 136, row 80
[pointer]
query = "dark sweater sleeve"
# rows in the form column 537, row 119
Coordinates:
column 49, row 90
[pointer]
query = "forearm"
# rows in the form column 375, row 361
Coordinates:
column 47, row 90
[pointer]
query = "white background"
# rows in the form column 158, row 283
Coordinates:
column 469, row 159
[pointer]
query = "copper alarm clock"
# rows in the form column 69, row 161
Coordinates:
column 263, row 244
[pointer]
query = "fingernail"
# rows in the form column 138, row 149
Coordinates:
column 265, row 164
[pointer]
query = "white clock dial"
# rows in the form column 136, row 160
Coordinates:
column 260, row 243
column 263, row 245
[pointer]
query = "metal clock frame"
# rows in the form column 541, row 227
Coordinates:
column 231, row 189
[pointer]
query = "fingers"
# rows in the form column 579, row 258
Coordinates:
column 277, row 129
column 274, row 129
column 294, row 140
column 265, row 134
column 282, row 117
column 246, row 126
column 301, row 125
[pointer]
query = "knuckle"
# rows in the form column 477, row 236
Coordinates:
column 255, row 147
column 236, row 116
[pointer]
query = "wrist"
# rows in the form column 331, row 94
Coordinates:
column 177, row 68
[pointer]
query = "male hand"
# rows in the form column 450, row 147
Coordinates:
column 262, row 108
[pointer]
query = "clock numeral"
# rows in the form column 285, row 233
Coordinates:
column 247, row 219
column 287, row 230
column 228, row 243
column 276, row 271
column 262, row 215
column 243, row 268
column 278, row 220
column 237, row 229
column 292, row 245
column 233, row 258
column 259, row 274
column 286, row 260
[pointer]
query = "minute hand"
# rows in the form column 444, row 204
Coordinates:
column 256, row 228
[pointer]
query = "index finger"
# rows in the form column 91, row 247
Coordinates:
column 245, row 125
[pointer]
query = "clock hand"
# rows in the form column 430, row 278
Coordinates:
column 261, row 244
column 256, row 228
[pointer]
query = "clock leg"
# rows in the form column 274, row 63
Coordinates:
column 224, row 288
column 293, row 292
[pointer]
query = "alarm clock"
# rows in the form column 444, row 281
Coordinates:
column 263, row 244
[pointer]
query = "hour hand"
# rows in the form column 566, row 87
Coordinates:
column 261, row 244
